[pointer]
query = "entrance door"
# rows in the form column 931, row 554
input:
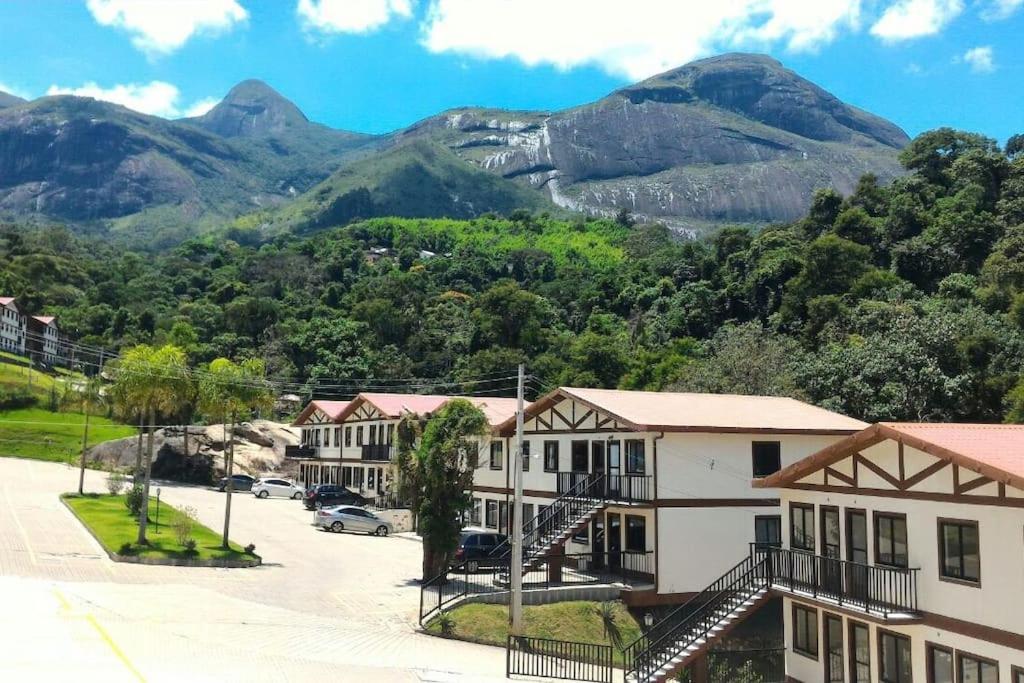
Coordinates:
column 614, row 467
column 597, row 464
column 614, row 541
column 831, row 550
column 857, row 552
column 597, row 542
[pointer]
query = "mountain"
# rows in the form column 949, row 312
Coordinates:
column 737, row 138
column 9, row 100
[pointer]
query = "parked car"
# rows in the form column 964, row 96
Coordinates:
column 279, row 488
column 241, row 482
column 351, row 518
column 476, row 549
column 324, row 495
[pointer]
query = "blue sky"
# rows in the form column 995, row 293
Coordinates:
column 377, row 65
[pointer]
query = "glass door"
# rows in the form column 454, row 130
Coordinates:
column 831, row 551
column 857, row 554
column 614, row 467
column 597, row 463
column 614, row 541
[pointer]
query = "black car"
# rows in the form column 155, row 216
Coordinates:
column 477, row 549
column 241, row 482
column 324, row 495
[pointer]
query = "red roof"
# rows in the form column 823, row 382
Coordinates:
column 44, row 319
column 4, row 300
column 332, row 409
column 497, row 410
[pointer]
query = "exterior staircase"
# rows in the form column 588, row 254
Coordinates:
column 686, row 633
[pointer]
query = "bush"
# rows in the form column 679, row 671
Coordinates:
column 250, row 549
column 190, row 546
column 133, row 499
column 116, row 482
column 446, row 622
column 20, row 397
column 125, row 549
column 183, row 524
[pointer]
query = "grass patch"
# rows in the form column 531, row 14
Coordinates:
column 578, row 621
column 111, row 523
column 57, row 437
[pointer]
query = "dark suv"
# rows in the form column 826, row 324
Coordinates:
column 324, row 495
column 239, row 482
column 476, row 549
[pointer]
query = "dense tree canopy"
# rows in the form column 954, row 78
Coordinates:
column 900, row 301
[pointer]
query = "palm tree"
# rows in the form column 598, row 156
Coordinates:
column 151, row 381
column 88, row 395
column 226, row 391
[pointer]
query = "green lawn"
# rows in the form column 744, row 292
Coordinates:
column 578, row 621
column 17, row 376
column 41, row 435
column 109, row 519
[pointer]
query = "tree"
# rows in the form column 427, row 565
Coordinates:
column 932, row 153
column 154, row 381
column 447, row 456
column 227, row 390
column 89, row 396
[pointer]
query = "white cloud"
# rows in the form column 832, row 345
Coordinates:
column 995, row 10
column 156, row 97
column 981, row 59
column 635, row 39
column 906, row 19
column 350, row 16
column 201, row 107
column 12, row 90
column 160, row 27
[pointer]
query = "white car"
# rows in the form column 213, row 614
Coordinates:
column 351, row 518
column 279, row 488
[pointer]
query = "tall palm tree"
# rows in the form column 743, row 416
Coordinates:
column 226, row 391
column 155, row 381
column 89, row 396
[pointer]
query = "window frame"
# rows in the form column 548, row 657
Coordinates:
column 525, row 455
column 754, row 445
column 960, row 580
column 495, row 461
column 579, row 449
column 877, row 517
column 853, row 625
column 359, row 436
column 898, row 637
column 929, row 662
column 626, row 529
column 551, row 449
column 807, row 511
column 794, row 644
column 825, row 632
column 476, row 511
column 1017, row 674
column 773, row 518
column 961, row 655
column 630, row 465
column 488, row 510
column 348, row 436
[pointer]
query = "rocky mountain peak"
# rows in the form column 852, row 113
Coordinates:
column 252, row 109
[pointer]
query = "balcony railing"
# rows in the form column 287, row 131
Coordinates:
column 876, row 589
column 376, row 451
column 300, row 452
column 624, row 488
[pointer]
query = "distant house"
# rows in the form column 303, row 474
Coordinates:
column 43, row 339
column 13, row 326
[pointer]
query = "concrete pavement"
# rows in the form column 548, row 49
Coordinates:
column 341, row 605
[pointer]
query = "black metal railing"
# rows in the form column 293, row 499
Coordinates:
column 545, row 658
column 876, row 589
column 478, row 577
column 376, row 451
column 694, row 620
column 557, row 521
column 300, row 452
column 623, row 488
column 388, row 501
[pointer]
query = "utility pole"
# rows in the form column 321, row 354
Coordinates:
column 516, row 606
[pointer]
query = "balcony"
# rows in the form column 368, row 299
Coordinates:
column 615, row 488
column 889, row 592
column 376, row 451
column 300, row 452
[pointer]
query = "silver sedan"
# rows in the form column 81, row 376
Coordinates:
column 351, row 518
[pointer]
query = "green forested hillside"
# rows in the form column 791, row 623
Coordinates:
column 896, row 302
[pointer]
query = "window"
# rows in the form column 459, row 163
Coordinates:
column 834, row 659
column 636, row 533
column 346, row 476
column 768, row 530
column 474, row 514
column 767, row 457
column 337, row 436
column 579, row 456
column 860, row 653
column 373, row 434
column 527, row 517
column 503, row 517
column 348, row 437
column 959, row 551
column 801, row 526
column 492, row 514
column 805, row 631
column 636, row 462
column 496, row 451
column 316, row 437
column 369, row 478
column 526, row 456
column 550, row 456
column 1017, row 674
column 891, row 539
column 976, row 670
column 391, row 433
column 359, row 435
column 894, row 665
column 327, row 438
column 940, row 664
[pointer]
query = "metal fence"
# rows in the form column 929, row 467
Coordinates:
column 545, row 658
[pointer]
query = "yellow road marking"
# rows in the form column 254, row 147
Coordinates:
column 66, row 608
column 21, row 529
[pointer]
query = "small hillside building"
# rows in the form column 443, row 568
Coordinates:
column 13, row 326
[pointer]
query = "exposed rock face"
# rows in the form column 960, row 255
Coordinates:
column 259, row 449
column 252, row 109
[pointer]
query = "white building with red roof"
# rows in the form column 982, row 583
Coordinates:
column 43, row 341
column 13, row 326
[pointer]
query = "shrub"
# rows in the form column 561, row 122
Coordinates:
column 125, row 549
column 446, row 622
column 19, row 397
column 190, row 546
column 250, row 549
column 183, row 524
column 116, row 482
column 133, row 499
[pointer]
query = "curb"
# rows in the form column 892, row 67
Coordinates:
column 163, row 561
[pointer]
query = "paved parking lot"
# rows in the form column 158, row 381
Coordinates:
column 342, row 605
